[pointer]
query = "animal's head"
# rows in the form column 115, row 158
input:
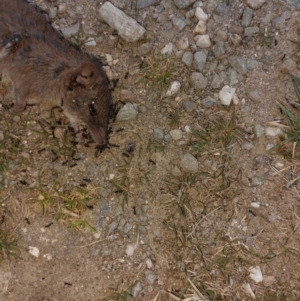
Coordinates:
column 90, row 99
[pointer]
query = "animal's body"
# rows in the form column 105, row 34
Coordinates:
column 43, row 67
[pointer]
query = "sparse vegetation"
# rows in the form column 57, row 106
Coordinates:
column 160, row 71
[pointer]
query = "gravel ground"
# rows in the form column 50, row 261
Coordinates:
column 193, row 198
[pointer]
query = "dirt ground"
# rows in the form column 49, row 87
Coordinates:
column 131, row 223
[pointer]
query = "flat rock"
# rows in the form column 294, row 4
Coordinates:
column 189, row 163
column 127, row 112
column 198, row 80
column 127, row 28
column 238, row 63
column 68, row 32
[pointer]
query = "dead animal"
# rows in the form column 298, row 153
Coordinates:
column 43, row 67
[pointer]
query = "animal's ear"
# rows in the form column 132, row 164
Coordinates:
column 86, row 74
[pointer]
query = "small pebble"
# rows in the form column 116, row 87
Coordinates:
column 176, row 134
column 150, row 276
column 202, row 41
column 273, row 131
column 189, row 163
column 136, row 289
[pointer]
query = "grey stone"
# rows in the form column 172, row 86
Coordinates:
column 247, row 16
column 158, row 134
column 142, row 229
column 256, row 181
column 189, row 106
column 136, row 289
column 252, row 64
column 126, row 27
column 104, row 210
column 216, row 81
column 222, row 9
column 144, row 3
column 200, row 60
column 122, row 223
column 233, row 77
column 144, row 48
column 112, row 227
column 247, row 146
column 293, row 4
column 93, row 169
column 143, row 218
column 176, row 172
column 178, row 23
column 187, row 58
column 150, row 276
column 286, row 14
column 68, row 32
column 238, row 63
column 168, row 137
column 254, row 95
column 127, row 112
column 189, row 163
column 219, row 49
column 53, row 12
column 127, row 227
column 184, row 3
column 251, row 31
column 208, row 102
column 179, row 54
column 198, row 80
column 259, row 130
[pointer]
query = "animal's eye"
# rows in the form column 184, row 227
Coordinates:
column 92, row 109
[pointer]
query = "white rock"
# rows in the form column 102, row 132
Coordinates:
column 130, row 249
column 200, row 28
column 168, row 49
column 174, row 88
column 149, row 264
column 176, row 134
column 273, row 131
column 255, row 205
column 256, row 274
column 108, row 72
column 202, row 41
column 187, row 129
column 235, row 99
column 200, row 14
column 226, row 95
column 126, row 27
column 48, row 256
column 34, row 251
column 248, row 290
column 108, row 58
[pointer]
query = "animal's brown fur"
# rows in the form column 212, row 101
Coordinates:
column 45, row 68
